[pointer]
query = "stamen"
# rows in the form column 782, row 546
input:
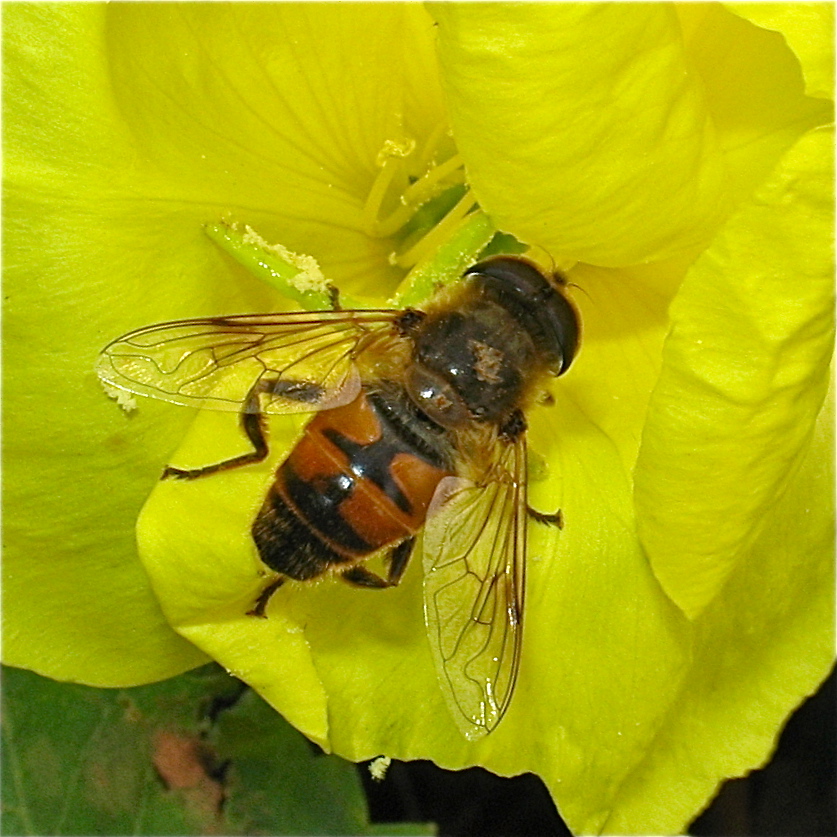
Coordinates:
column 379, row 190
column 428, row 186
column 427, row 157
column 437, row 235
column 420, row 218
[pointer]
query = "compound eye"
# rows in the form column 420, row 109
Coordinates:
column 435, row 397
column 563, row 319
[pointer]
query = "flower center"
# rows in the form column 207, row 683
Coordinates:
column 418, row 197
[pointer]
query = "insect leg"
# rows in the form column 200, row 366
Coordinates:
column 554, row 519
column 398, row 560
column 253, row 425
column 334, row 298
column 264, row 597
column 361, row 577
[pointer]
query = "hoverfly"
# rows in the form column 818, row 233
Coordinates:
column 420, row 425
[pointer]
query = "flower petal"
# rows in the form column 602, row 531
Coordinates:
column 764, row 644
column 195, row 541
column 754, row 91
column 581, row 127
column 76, row 602
column 809, row 30
column 745, row 371
column 277, row 114
column 161, row 123
column 603, row 131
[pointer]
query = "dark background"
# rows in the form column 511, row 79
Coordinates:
column 793, row 795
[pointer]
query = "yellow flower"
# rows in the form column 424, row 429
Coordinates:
column 671, row 156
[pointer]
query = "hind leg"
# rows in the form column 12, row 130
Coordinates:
column 554, row 519
column 264, row 597
column 397, row 559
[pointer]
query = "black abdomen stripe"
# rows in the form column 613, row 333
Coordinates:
column 286, row 543
column 318, row 503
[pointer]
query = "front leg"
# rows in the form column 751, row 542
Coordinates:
column 253, row 425
column 254, row 428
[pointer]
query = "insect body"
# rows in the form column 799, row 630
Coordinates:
column 420, row 425
column 360, row 479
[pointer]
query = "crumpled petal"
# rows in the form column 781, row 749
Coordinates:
column 745, row 371
column 760, row 648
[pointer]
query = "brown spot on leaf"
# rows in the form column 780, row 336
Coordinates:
column 186, row 765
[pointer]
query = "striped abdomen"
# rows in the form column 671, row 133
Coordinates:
column 361, row 478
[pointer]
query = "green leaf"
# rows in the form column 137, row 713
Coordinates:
column 171, row 758
column 279, row 783
column 79, row 760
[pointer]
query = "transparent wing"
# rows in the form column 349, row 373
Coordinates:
column 298, row 361
column 474, row 584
